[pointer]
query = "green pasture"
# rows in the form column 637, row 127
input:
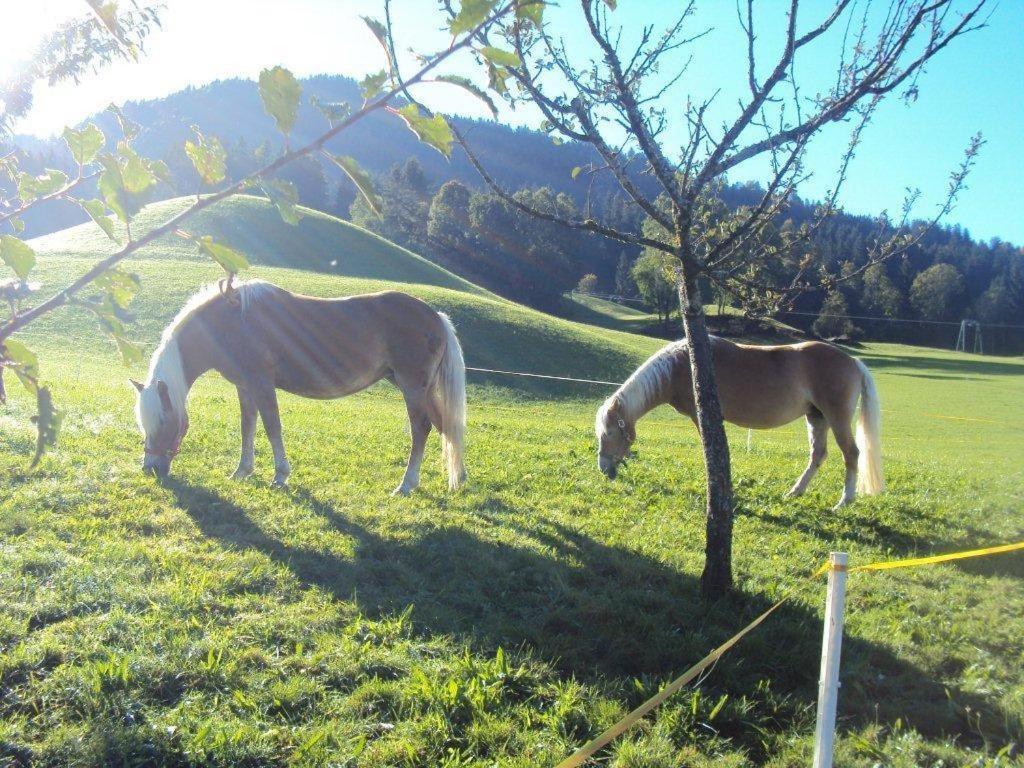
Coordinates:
column 209, row 622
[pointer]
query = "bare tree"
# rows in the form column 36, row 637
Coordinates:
column 621, row 100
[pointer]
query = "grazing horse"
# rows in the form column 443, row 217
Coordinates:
column 263, row 338
column 760, row 388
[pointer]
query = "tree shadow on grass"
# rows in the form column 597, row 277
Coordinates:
column 979, row 366
column 598, row 612
column 858, row 523
column 862, row 526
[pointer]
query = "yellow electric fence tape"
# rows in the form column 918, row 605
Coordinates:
column 689, row 675
column 911, row 563
column 672, row 688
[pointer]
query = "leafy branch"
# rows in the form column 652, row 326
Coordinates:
column 125, row 181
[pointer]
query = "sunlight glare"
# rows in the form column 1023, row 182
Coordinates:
column 26, row 24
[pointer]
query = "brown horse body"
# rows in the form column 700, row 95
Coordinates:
column 761, row 388
column 262, row 338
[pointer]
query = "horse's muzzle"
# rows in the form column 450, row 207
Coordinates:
column 158, row 466
column 607, row 465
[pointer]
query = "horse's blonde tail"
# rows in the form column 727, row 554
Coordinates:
column 450, row 387
column 869, row 437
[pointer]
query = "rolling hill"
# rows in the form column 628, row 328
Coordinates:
column 326, row 256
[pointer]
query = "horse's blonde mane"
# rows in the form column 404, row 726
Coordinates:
column 166, row 364
column 644, row 385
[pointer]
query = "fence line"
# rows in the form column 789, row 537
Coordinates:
column 545, row 376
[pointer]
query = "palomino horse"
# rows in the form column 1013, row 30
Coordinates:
column 262, row 338
column 760, row 388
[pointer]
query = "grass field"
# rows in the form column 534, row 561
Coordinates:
column 210, row 622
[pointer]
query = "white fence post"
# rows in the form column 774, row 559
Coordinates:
column 831, row 644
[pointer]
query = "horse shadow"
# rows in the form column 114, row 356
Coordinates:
column 600, row 613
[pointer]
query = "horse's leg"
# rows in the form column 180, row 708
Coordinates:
column 265, row 396
column 416, row 402
column 249, row 413
column 817, row 434
column 848, row 446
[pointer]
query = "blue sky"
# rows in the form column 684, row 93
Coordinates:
column 977, row 84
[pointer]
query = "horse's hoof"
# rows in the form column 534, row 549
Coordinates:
column 794, row 494
column 280, row 482
column 401, row 491
column 241, row 473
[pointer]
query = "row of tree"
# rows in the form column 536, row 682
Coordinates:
column 946, row 277
column 484, row 238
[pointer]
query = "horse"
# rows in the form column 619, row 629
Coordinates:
column 760, row 387
column 262, row 338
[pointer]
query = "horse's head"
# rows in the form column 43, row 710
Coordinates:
column 615, row 434
column 163, row 425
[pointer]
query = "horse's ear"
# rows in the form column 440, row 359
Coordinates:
column 165, row 397
column 138, row 385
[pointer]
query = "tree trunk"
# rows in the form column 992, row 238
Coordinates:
column 716, row 580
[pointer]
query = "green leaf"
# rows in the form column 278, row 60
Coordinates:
column 98, row 212
column 208, row 156
column 32, row 187
column 231, row 260
column 25, row 363
column 531, row 11
column 136, row 174
column 575, row 172
column 160, row 170
column 379, row 31
column 499, row 57
column 119, row 286
column 48, row 420
column 129, row 128
column 372, row 85
column 17, row 255
column 281, row 93
column 497, row 77
column 84, row 144
column 131, row 353
column 468, row 85
column 125, row 180
column 433, row 131
column 9, row 165
column 334, row 111
column 471, row 14
column 283, row 195
column 111, row 187
column 362, row 181
column 18, row 225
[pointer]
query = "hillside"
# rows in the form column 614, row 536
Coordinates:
column 325, row 256
column 319, row 243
